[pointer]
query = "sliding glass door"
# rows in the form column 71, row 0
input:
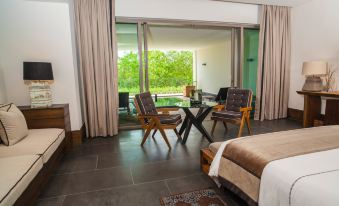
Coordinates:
column 163, row 58
column 129, row 75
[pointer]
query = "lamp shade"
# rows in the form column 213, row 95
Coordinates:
column 314, row 68
column 38, row 71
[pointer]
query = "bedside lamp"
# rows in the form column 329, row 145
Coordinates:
column 313, row 70
column 39, row 76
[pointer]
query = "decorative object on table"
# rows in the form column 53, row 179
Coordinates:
column 204, row 197
column 313, row 70
column 187, row 90
column 39, row 76
column 330, row 79
column 196, row 97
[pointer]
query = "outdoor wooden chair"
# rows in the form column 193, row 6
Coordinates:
column 236, row 110
column 155, row 119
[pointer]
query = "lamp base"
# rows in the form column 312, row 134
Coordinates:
column 313, row 84
column 41, row 95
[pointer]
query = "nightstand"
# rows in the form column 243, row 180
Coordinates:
column 206, row 158
column 55, row 116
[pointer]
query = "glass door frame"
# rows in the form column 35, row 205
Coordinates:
column 237, row 33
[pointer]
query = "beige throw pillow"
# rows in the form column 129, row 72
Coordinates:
column 13, row 125
column 3, row 107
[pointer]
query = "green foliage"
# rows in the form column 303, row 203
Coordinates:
column 168, row 71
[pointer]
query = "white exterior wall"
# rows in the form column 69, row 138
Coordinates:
column 217, row 72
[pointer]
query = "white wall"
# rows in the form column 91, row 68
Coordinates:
column 315, row 36
column 217, row 72
column 3, row 96
column 37, row 30
column 189, row 10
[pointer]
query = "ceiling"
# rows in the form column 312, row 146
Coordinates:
column 290, row 3
column 171, row 37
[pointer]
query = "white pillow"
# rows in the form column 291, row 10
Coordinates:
column 13, row 124
column 3, row 107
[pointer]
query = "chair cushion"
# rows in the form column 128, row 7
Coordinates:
column 16, row 174
column 13, row 125
column 227, row 114
column 237, row 98
column 171, row 119
column 146, row 103
column 38, row 142
column 214, row 147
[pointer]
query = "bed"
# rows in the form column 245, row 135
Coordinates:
column 290, row 168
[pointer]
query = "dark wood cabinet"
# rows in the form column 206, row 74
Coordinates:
column 55, row 116
column 312, row 107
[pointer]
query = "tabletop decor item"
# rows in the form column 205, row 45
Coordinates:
column 330, row 79
column 313, row 70
column 39, row 76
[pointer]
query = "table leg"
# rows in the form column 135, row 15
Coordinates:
column 187, row 131
column 183, row 125
column 197, row 122
column 200, row 120
column 312, row 109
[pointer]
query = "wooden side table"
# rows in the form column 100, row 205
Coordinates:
column 56, row 116
column 206, row 158
column 312, row 105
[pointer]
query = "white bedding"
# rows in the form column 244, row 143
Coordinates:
column 311, row 180
column 305, row 180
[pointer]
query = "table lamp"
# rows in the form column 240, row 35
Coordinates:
column 313, row 70
column 39, row 76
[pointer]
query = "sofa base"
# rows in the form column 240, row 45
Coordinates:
column 32, row 192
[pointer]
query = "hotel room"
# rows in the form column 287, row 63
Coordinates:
column 169, row 102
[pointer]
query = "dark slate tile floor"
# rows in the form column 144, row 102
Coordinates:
column 117, row 171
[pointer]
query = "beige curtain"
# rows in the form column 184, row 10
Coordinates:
column 274, row 63
column 98, row 67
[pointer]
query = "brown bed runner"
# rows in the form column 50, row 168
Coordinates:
column 254, row 153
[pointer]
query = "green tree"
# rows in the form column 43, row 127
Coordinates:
column 169, row 71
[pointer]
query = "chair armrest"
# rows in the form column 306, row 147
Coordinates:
column 153, row 115
column 219, row 107
column 245, row 109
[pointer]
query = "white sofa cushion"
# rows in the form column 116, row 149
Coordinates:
column 3, row 107
column 16, row 174
column 13, row 125
column 38, row 142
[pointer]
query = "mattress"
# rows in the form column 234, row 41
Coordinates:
column 241, row 162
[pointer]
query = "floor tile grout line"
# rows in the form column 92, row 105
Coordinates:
column 169, row 190
column 118, row 166
column 130, row 171
column 63, row 200
column 96, row 165
column 121, row 186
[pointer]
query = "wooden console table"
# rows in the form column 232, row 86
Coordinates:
column 55, row 116
column 312, row 105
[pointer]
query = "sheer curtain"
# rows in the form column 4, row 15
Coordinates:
column 95, row 33
column 274, row 63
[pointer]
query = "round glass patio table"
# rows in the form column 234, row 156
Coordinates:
column 190, row 119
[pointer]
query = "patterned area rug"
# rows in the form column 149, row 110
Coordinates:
column 207, row 197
